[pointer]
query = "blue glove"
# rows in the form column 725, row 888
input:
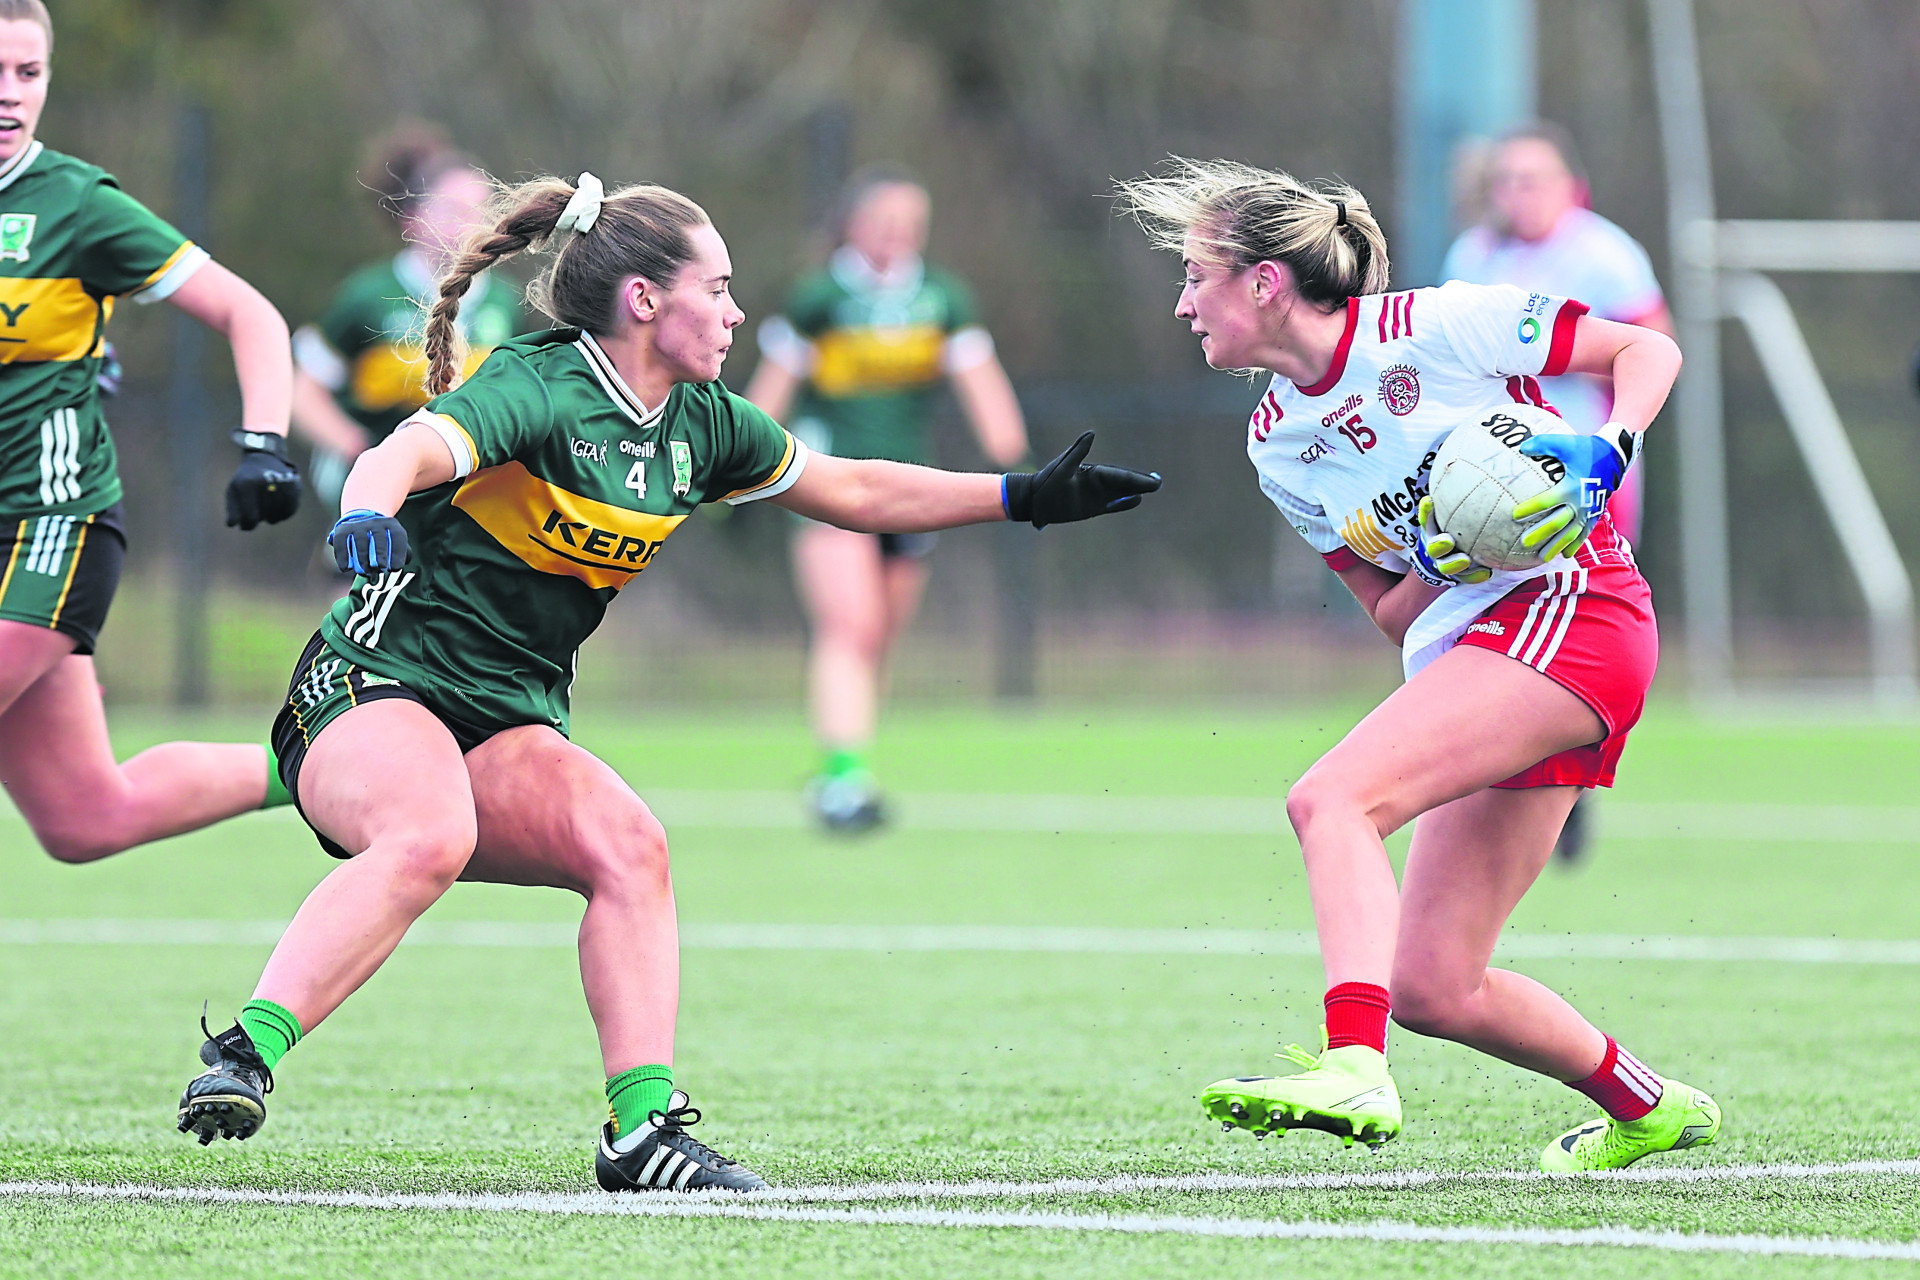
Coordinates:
column 108, row 373
column 1437, row 560
column 1591, row 468
column 366, row 543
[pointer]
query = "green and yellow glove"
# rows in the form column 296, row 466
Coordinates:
column 1437, row 560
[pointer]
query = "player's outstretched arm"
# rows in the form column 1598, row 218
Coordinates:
column 895, row 497
column 266, row 486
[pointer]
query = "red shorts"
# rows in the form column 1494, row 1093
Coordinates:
column 1588, row 624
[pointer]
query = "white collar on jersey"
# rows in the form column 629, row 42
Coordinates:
column 415, row 274
column 616, row 387
column 20, row 163
column 857, row 273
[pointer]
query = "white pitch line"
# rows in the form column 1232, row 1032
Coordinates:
column 1016, row 939
column 755, row 1208
column 1255, row 815
column 1391, row 1179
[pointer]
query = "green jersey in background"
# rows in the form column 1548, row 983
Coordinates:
column 366, row 347
column 873, row 349
column 71, row 242
column 567, row 487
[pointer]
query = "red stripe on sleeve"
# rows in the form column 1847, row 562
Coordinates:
column 1409, row 315
column 1562, row 349
column 1341, row 559
column 1514, row 389
column 1383, row 320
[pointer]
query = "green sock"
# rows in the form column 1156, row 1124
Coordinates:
column 273, row 1029
column 634, row 1095
column 842, row 761
column 277, row 794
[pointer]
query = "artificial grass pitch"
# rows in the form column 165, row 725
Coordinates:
column 472, row 1069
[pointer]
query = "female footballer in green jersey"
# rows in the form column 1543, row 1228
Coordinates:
column 71, row 244
column 425, row 731
column 359, row 369
column 858, row 355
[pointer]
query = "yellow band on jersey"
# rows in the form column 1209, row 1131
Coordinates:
column 48, row 319
column 871, row 360
column 554, row 531
column 393, row 375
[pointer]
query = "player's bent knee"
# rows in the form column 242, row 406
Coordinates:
column 1425, row 1007
column 1322, row 795
column 1315, row 796
column 75, row 846
column 627, row 853
column 428, row 861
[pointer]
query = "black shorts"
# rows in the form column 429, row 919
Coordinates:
column 906, row 546
column 61, row 572
column 326, row 684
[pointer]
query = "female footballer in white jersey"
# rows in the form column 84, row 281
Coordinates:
column 1521, row 686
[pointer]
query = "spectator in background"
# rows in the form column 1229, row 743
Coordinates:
column 359, row 369
column 852, row 365
column 1540, row 234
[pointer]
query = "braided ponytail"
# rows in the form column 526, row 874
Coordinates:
column 641, row 230
column 523, row 218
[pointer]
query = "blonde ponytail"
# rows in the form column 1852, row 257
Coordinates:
column 1238, row 215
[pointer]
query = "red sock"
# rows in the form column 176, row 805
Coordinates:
column 1357, row 1014
column 1623, row 1086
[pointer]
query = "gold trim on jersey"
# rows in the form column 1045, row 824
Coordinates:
column 871, row 360
column 54, row 319
column 19, row 541
column 73, row 567
column 786, row 461
column 554, row 531
column 172, row 260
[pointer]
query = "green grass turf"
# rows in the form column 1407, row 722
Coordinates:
column 474, row 1069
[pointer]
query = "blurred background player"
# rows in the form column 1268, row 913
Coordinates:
column 425, row 730
column 359, row 369
column 1540, row 234
column 71, row 244
column 853, row 363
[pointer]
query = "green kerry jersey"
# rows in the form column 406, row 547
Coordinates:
column 71, row 242
column 566, row 488
column 366, row 347
column 873, row 349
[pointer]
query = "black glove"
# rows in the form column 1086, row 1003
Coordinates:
column 366, row 543
column 265, row 486
column 1068, row 489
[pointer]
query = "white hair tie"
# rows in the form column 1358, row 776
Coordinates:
column 583, row 210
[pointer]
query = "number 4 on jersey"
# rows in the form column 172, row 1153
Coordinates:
column 637, row 479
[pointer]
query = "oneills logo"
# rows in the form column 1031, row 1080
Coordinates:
column 555, row 531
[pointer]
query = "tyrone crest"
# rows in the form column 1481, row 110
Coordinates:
column 1400, row 389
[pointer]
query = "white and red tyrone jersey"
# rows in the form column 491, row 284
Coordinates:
column 1347, row 459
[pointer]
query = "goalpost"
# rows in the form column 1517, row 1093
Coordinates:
column 1718, row 268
